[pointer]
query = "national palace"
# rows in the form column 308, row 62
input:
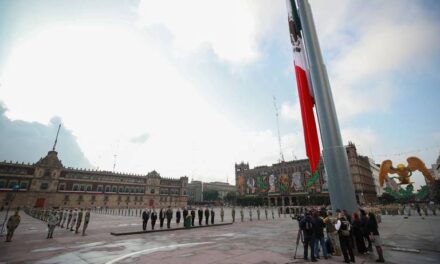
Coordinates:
column 47, row 183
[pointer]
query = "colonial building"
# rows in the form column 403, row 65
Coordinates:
column 196, row 189
column 292, row 183
column 48, row 183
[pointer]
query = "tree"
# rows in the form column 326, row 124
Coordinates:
column 210, row 195
column 231, row 197
column 386, row 198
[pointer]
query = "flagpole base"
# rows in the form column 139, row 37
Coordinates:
column 340, row 183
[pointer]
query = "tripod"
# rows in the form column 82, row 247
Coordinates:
column 299, row 237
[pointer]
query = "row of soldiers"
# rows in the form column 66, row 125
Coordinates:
column 406, row 209
column 208, row 214
column 55, row 218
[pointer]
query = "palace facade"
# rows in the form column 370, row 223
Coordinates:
column 292, row 183
column 47, row 183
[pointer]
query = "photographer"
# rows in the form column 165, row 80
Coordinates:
column 306, row 226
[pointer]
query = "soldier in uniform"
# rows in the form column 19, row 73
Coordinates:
column 74, row 216
column 145, row 217
column 206, row 215
column 222, row 213
column 279, row 212
column 250, row 213
column 193, row 216
column 169, row 215
column 69, row 218
column 241, row 214
column 86, row 221
column 52, row 223
column 233, row 214
column 13, row 222
column 79, row 220
column 153, row 218
column 200, row 215
column 60, row 216
column 258, row 213
column 273, row 214
column 212, row 216
column 161, row 217
column 64, row 218
column 178, row 216
column 265, row 212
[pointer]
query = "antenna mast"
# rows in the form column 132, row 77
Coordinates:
column 278, row 129
column 56, row 138
column 114, row 162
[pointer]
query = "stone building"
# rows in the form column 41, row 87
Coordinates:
column 47, row 183
column 196, row 189
column 292, row 183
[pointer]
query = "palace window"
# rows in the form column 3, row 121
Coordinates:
column 152, row 191
column 127, row 189
column 62, row 186
column 121, row 189
column 100, row 187
column 24, row 184
column 82, row 187
column 44, row 186
column 2, row 183
column 141, row 190
column 114, row 189
column 75, row 187
column 107, row 188
column 89, row 188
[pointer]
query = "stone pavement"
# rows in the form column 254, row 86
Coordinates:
column 264, row 241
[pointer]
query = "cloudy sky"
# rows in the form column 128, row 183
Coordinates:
column 187, row 87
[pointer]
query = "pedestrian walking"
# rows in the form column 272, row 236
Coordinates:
column 69, row 218
column 13, row 222
column 222, row 214
column 233, row 214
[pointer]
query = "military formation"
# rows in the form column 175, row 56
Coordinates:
column 71, row 219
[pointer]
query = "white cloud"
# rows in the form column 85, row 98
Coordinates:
column 364, row 138
column 108, row 85
column 232, row 28
column 368, row 44
column 291, row 112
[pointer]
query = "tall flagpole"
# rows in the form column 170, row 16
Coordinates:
column 340, row 183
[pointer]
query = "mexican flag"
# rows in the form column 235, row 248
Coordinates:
column 305, row 91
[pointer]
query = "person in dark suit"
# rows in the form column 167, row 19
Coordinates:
column 193, row 216
column 169, row 215
column 161, row 217
column 145, row 218
column 200, row 214
column 212, row 216
column 153, row 218
column 206, row 216
column 178, row 216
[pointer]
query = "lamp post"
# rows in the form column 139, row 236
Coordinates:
column 9, row 198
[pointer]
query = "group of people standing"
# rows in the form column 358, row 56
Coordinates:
column 71, row 218
column 344, row 232
column 187, row 214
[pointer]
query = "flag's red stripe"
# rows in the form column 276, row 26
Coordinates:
column 308, row 118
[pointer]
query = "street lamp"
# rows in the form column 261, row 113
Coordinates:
column 9, row 198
